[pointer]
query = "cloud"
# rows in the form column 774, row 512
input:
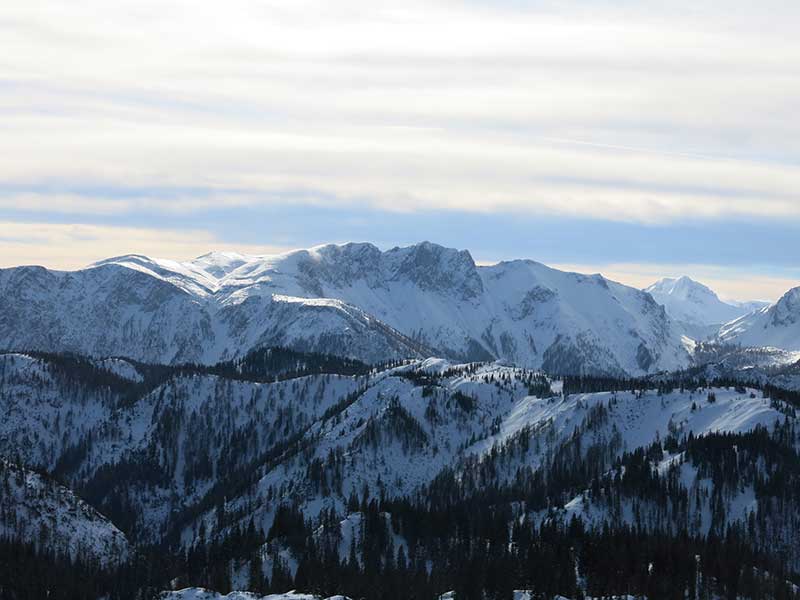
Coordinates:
column 635, row 112
column 72, row 246
column 534, row 178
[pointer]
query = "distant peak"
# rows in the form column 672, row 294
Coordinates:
column 344, row 248
column 122, row 258
column 139, row 261
column 433, row 248
column 679, row 286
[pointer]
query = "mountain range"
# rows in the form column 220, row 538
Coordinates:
column 356, row 300
column 392, row 424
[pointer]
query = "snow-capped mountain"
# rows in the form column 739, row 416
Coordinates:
column 697, row 306
column 777, row 325
column 350, row 299
column 200, row 425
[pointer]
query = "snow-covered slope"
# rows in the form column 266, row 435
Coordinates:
column 414, row 423
column 45, row 410
column 697, row 517
column 318, row 437
column 764, row 365
column 107, row 310
column 696, row 306
column 36, row 509
column 185, row 455
column 777, row 325
column 349, row 299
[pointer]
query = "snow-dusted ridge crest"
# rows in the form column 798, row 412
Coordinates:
column 351, row 299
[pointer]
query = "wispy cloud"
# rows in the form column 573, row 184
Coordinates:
column 642, row 113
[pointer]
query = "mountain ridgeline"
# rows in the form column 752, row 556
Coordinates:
column 356, row 301
column 351, row 300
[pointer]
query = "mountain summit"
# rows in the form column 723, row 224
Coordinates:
column 696, row 306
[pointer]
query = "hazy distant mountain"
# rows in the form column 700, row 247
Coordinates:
column 697, row 307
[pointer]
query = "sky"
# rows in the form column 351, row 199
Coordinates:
column 638, row 139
